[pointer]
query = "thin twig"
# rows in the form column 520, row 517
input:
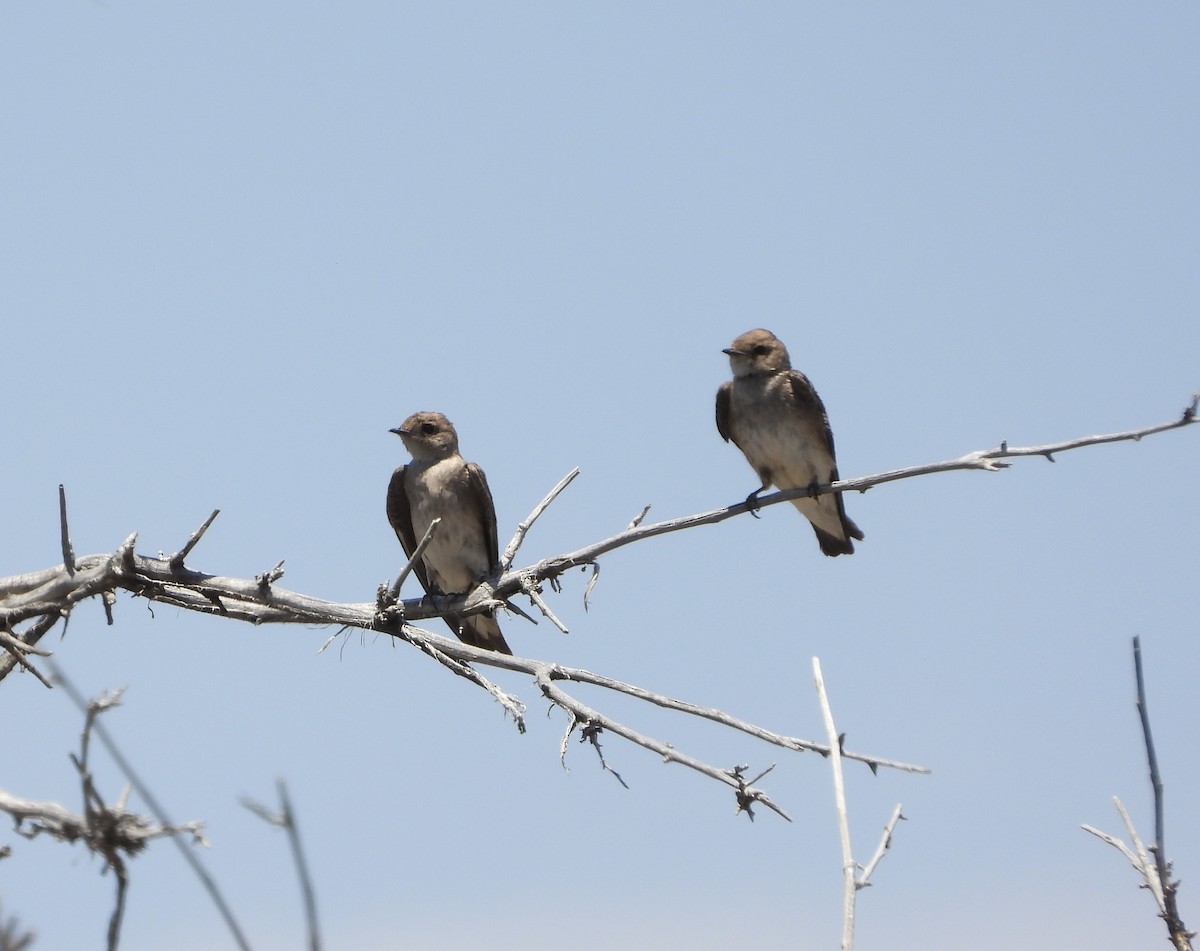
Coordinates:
column 394, row 590
column 639, row 518
column 1151, row 863
column 585, row 714
column 578, row 675
column 590, row 733
column 22, row 647
column 68, row 552
column 177, row 559
column 1156, row 785
column 17, row 649
column 839, row 795
column 535, row 595
column 885, row 843
column 286, row 819
column 114, row 922
column 29, row 637
column 510, row 550
column 512, row 706
column 1116, row 844
column 306, row 888
column 1179, row 934
column 1145, row 862
column 587, row 591
column 158, row 812
column 268, row 578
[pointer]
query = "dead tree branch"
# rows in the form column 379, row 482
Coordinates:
column 109, row 831
column 286, row 819
column 854, row 876
column 156, row 809
column 549, row 677
column 1151, row 863
column 50, row 594
column 39, row 599
column 984, row 460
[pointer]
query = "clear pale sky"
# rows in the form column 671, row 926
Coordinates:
column 241, row 241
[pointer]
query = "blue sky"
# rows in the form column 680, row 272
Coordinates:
column 241, row 241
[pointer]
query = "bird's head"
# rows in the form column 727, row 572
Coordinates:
column 758, row 352
column 428, row 435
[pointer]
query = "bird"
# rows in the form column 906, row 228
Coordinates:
column 439, row 483
column 775, row 417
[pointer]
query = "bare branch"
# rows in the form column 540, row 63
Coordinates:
column 17, row 649
column 286, row 820
column 1156, row 784
column 306, row 889
column 583, row 714
column 1145, row 863
column 587, row 591
column 29, row 637
column 510, row 550
column 1151, row 863
column 1179, row 934
column 885, row 843
column 851, row 880
column 796, row 744
column 987, row 460
column 34, row 818
column 51, row 594
column 54, row 591
column 394, row 590
column 849, row 886
column 177, row 559
column 68, row 552
column 268, row 578
column 531, row 589
column 23, row 647
column 512, row 706
column 590, row 733
column 1116, row 843
column 109, row 831
column 157, row 811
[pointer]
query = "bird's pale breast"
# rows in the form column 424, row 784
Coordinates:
column 777, row 435
column 457, row 555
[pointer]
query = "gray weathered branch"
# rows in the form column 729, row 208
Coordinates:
column 51, row 593
column 110, row 831
column 852, row 880
column 40, row 599
column 1151, row 863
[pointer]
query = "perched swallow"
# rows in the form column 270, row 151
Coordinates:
column 439, row 483
column 773, row 414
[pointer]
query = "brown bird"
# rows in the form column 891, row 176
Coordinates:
column 773, row 414
column 439, row 483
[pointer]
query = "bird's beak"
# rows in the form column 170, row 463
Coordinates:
column 734, row 353
column 398, row 431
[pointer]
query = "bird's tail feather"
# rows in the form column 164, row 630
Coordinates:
column 833, row 527
column 480, row 630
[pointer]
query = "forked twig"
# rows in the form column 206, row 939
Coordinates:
column 286, row 819
column 1151, row 863
column 851, row 880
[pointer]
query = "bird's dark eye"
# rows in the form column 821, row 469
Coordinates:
column 428, row 429
column 761, row 350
